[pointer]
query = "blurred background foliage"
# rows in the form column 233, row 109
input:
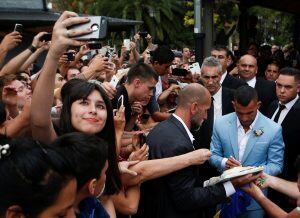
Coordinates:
column 172, row 21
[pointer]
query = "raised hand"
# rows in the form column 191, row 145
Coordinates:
column 119, row 118
column 137, row 108
column 36, row 42
column 10, row 95
column 99, row 63
column 140, row 154
column 62, row 37
column 10, row 41
column 109, row 89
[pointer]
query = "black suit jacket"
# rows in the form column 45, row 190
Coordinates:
column 290, row 132
column 203, row 135
column 177, row 195
column 266, row 91
column 232, row 82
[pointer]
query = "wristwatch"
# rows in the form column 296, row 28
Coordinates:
column 32, row 48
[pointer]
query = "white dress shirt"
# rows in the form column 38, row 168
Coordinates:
column 285, row 111
column 229, row 189
column 158, row 88
column 252, row 82
column 185, row 127
column 218, row 104
column 243, row 138
column 223, row 77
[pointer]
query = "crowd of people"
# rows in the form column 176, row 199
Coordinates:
column 94, row 133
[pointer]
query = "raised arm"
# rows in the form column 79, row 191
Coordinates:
column 286, row 187
column 9, row 42
column 14, row 65
column 152, row 169
column 34, row 56
column 14, row 128
column 97, row 64
column 271, row 209
column 42, row 127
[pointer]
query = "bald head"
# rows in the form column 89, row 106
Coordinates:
column 192, row 93
column 248, row 58
column 247, row 67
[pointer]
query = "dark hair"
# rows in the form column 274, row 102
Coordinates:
column 290, row 71
column 297, row 164
column 20, row 77
column 86, row 154
column 244, row 95
column 162, row 54
column 221, row 48
column 141, row 71
column 77, row 89
column 31, row 177
column 2, row 112
column 274, row 62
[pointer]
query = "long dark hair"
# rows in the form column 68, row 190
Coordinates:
column 77, row 89
column 86, row 155
column 31, row 177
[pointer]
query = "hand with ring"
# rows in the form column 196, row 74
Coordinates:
column 61, row 36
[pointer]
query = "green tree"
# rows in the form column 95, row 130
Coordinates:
column 273, row 26
column 163, row 19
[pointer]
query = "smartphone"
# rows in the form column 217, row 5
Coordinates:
column 18, row 28
column 172, row 81
column 70, row 55
column 94, row 45
column 179, row 72
column 126, row 44
column 114, row 82
column 46, row 37
column 120, row 101
column 195, row 68
column 143, row 34
column 98, row 25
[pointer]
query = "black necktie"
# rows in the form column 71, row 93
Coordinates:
column 196, row 144
column 281, row 107
column 210, row 114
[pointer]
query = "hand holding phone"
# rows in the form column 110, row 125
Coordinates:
column 120, row 101
column 97, row 24
column 46, row 37
column 18, row 28
column 126, row 44
column 179, row 72
column 70, row 55
column 114, row 81
column 143, row 34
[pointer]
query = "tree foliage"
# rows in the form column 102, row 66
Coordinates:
column 163, row 19
column 273, row 26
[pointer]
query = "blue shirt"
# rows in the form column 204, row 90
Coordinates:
column 91, row 208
